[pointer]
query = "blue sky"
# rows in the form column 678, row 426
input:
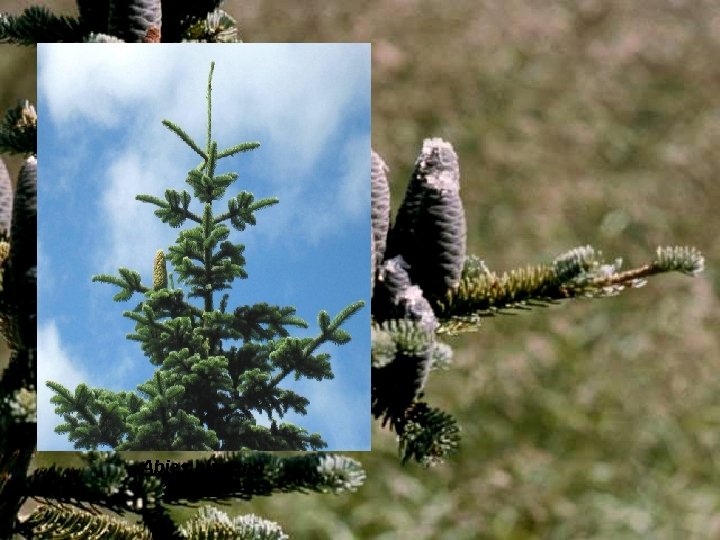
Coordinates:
column 101, row 142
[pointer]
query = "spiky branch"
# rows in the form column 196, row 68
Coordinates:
column 146, row 488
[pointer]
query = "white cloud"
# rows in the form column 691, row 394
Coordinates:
column 294, row 126
column 293, row 95
column 98, row 82
column 53, row 364
column 134, row 233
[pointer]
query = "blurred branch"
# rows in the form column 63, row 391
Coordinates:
column 37, row 24
column 199, row 21
column 18, row 130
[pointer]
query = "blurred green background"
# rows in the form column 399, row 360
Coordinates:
column 575, row 122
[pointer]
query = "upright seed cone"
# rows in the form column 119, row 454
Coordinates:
column 160, row 276
column 135, row 21
column 379, row 209
column 6, row 196
column 430, row 230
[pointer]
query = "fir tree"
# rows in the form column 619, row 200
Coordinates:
column 131, row 21
column 218, row 368
column 426, row 287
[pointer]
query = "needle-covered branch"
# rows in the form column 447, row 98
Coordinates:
column 296, row 355
column 37, row 24
column 185, row 138
column 174, row 209
column 126, row 485
column 128, row 281
column 578, row 273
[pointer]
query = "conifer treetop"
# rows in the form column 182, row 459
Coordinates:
column 217, row 367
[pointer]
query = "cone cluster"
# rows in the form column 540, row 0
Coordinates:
column 135, row 21
column 152, row 21
column 415, row 263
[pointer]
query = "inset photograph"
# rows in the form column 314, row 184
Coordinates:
column 203, row 241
